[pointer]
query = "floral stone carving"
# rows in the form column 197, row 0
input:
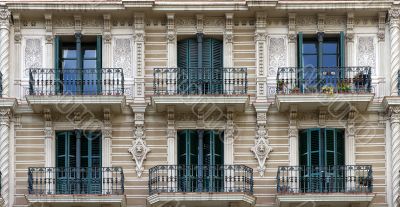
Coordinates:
column 261, row 149
column 139, row 150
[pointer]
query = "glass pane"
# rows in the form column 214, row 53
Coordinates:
column 89, row 64
column 71, row 82
column 329, row 61
column 310, row 60
column 310, row 48
column 69, row 64
column 89, row 53
column 69, row 53
column 329, row 47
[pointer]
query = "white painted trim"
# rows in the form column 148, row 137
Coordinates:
column 68, row 199
column 331, row 197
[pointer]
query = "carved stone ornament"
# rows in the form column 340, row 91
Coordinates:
column 5, row 17
column 394, row 13
column 139, row 150
column 261, row 149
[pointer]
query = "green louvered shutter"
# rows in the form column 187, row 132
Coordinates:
column 342, row 55
column 300, row 63
column 66, row 159
column 213, row 66
column 314, row 161
column 187, row 159
column 57, row 66
column 187, row 64
column 334, row 159
column 99, row 64
column 303, row 159
column 213, row 160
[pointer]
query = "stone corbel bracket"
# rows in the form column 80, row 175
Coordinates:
column 261, row 148
column 139, row 148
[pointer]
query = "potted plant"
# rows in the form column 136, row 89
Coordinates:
column 311, row 89
column 296, row 90
column 327, row 90
column 281, row 85
column 344, row 87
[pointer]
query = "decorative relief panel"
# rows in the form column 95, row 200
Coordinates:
column 214, row 21
column 89, row 21
column 32, row 23
column 156, row 22
column 33, row 53
column 122, row 55
column 185, row 21
column 244, row 22
column 63, row 21
column 277, row 51
column 366, row 54
column 366, row 21
column 306, row 20
column 335, row 21
column 122, row 22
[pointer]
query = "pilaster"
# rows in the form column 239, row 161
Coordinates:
column 228, row 41
column 350, row 138
column 5, row 115
column 48, row 137
column 171, row 40
column 293, row 136
column 107, row 37
column 5, row 17
column 171, row 136
column 139, row 54
column 229, row 136
column 394, row 112
column 107, row 135
column 350, row 39
column 394, row 15
column 17, row 54
column 260, row 41
column 292, row 39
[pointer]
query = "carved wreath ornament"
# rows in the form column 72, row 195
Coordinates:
column 139, row 150
column 261, row 149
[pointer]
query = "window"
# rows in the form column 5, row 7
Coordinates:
column 200, row 63
column 321, row 59
column 321, row 157
column 78, row 162
column 78, row 65
column 200, row 160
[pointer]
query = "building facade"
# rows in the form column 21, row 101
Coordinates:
column 207, row 103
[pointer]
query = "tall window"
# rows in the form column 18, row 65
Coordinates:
column 321, row 155
column 201, row 159
column 200, row 63
column 78, row 162
column 78, row 64
column 321, row 58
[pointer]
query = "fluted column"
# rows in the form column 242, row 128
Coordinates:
column 395, row 128
column 5, row 47
column 394, row 50
column 4, row 153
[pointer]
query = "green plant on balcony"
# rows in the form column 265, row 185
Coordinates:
column 296, row 90
column 281, row 85
column 327, row 90
column 344, row 87
column 311, row 89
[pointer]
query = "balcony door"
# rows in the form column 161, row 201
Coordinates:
column 200, row 161
column 78, row 65
column 200, row 63
column 321, row 158
column 78, row 162
column 321, row 58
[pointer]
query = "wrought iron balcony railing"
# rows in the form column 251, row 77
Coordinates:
column 292, row 80
column 193, row 178
column 62, row 181
column 200, row 81
column 101, row 81
column 324, row 179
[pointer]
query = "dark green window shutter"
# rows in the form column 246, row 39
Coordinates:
column 57, row 53
column 99, row 63
column 303, row 147
column 300, row 49
column 330, row 147
column 213, row 66
column 187, row 62
column 61, row 149
column 340, row 147
column 314, row 147
column 187, row 147
column 342, row 50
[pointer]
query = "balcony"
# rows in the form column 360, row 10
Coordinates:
column 334, row 87
column 63, row 186
column 201, row 185
column 187, row 87
column 90, row 87
column 336, row 185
